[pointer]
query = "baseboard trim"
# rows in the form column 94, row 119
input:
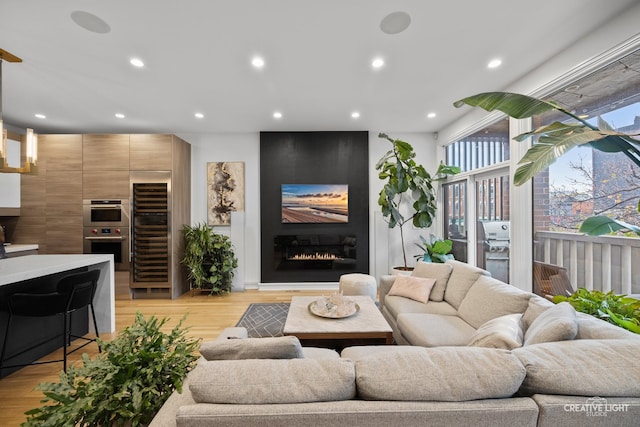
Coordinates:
column 299, row 286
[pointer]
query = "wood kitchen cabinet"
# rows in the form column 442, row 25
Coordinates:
column 151, row 152
column 105, row 184
column 105, row 152
column 51, row 214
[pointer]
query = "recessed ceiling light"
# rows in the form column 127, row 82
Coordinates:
column 355, row 115
column 40, row 116
column 431, row 115
column 199, row 115
column 120, row 115
column 137, row 62
column 377, row 63
column 257, row 62
column 494, row 63
column 277, row 115
column 395, row 22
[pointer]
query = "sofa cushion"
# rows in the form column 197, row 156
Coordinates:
column 582, row 367
column 489, row 298
column 439, row 374
column 396, row 305
column 462, row 278
column 252, row 348
column 415, row 288
column 434, row 330
column 502, row 332
column 536, row 306
column 440, row 272
column 555, row 324
column 268, row 381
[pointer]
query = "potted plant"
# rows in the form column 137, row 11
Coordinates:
column 125, row 384
column 209, row 258
column 435, row 249
column 556, row 139
column 408, row 188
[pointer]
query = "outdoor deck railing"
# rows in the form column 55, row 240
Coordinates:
column 605, row 263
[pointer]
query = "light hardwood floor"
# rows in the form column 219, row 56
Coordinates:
column 207, row 317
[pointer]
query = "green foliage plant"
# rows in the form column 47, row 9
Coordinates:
column 209, row 258
column 619, row 310
column 435, row 249
column 125, row 384
column 407, row 183
column 556, row 139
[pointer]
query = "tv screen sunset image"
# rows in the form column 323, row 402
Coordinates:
column 315, row 203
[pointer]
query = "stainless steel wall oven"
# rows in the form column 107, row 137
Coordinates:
column 106, row 230
column 105, row 213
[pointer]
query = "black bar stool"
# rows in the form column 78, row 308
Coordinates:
column 73, row 292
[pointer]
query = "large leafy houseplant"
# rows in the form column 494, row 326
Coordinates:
column 556, row 139
column 407, row 184
column 209, row 258
column 620, row 310
column 126, row 384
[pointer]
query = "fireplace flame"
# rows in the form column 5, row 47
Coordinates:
column 312, row 257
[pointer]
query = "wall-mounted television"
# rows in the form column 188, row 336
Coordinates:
column 315, row 203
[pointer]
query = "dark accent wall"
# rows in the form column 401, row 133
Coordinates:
column 313, row 158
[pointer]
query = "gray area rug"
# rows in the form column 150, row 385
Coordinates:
column 264, row 319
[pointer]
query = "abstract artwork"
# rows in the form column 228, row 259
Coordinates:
column 314, row 203
column 225, row 191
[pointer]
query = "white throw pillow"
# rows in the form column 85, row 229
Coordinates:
column 554, row 324
column 502, row 332
column 416, row 288
column 440, row 272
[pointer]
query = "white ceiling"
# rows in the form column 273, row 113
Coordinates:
column 318, row 55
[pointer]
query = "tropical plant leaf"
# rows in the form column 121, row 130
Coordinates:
column 598, row 225
column 548, row 149
column 513, row 104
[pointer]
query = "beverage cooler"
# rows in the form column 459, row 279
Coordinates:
column 150, row 234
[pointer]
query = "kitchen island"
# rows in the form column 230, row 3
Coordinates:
column 39, row 273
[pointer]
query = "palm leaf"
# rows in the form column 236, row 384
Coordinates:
column 549, row 149
column 513, row 104
column 601, row 224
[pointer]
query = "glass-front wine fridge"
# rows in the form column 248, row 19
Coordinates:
column 150, row 234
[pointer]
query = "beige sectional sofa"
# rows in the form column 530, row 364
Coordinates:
column 480, row 352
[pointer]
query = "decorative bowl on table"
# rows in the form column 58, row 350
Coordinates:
column 335, row 306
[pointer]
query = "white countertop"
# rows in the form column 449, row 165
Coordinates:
column 18, row 269
column 13, row 248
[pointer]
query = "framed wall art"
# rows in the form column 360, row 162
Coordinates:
column 225, row 191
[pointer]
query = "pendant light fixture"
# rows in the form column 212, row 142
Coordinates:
column 31, row 155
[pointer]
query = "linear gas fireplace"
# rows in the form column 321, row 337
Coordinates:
column 314, row 252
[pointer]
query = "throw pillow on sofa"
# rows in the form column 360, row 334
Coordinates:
column 415, row 288
column 440, row 272
column 554, row 324
column 502, row 332
column 253, row 348
column 537, row 306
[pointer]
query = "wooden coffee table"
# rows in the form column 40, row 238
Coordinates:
column 366, row 327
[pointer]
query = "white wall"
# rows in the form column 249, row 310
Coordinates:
column 246, row 148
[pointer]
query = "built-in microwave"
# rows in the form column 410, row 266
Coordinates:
column 105, row 213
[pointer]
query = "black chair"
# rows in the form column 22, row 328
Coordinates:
column 73, row 292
